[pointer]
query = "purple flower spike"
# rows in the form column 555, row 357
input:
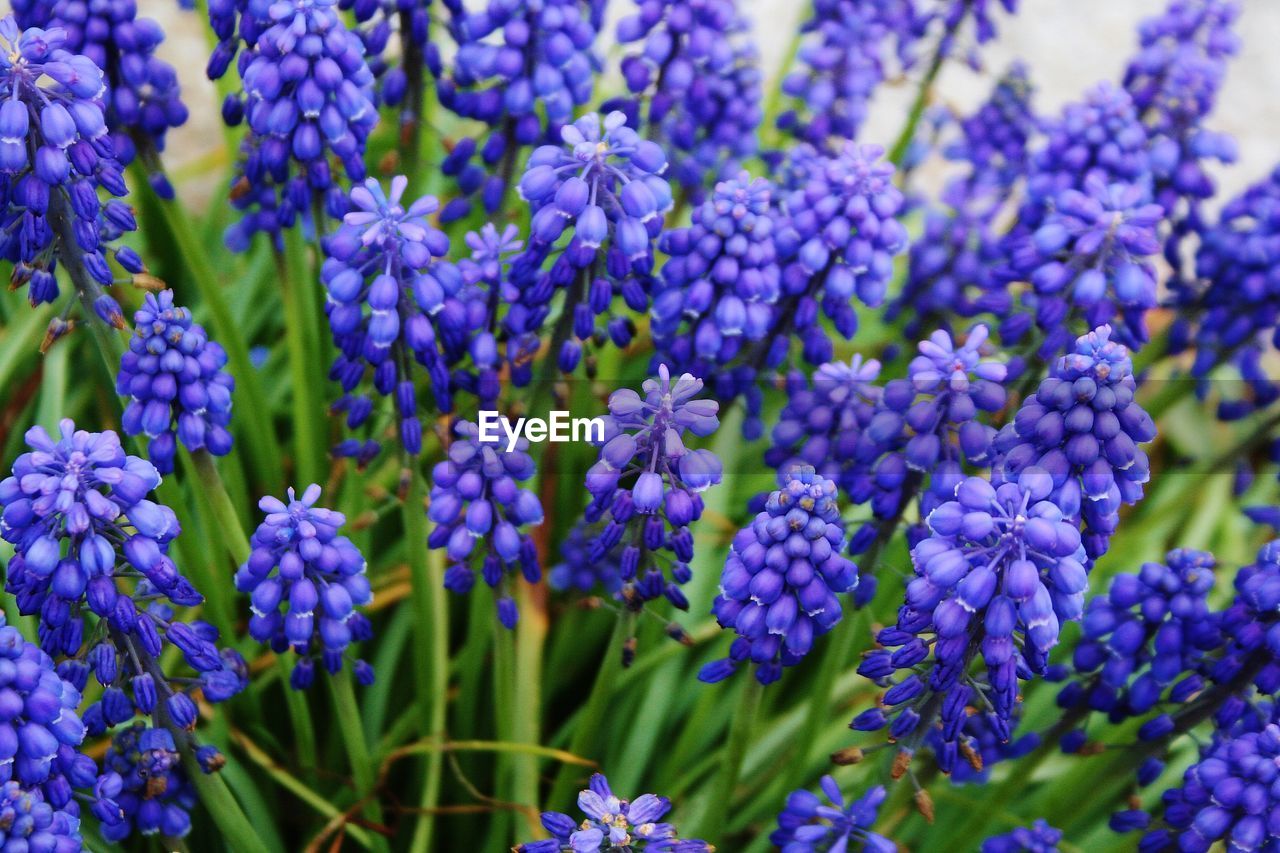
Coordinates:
column 172, row 374
column 55, row 156
column 143, row 99
column 307, row 100
column 1084, row 428
column 1001, row 572
column 481, row 513
column 778, row 605
column 807, row 824
column 695, row 83
column 613, row 823
column 646, row 487
column 304, row 581
column 393, row 307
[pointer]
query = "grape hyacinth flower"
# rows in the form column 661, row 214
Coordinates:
column 1227, row 796
column 715, row 296
column 145, row 777
column 843, row 58
column 1091, row 256
column 646, row 487
column 401, row 76
column 577, row 571
column 143, row 99
column 43, row 733
column 837, row 241
column 172, row 374
column 55, row 154
column 385, row 281
column 952, row 268
column 1001, row 572
column 808, row 825
column 1174, row 80
column 77, row 514
column 782, row 580
column 307, row 100
column 1101, row 138
column 522, row 69
column 694, row 85
column 476, row 500
column 304, row 581
column 30, row 823
column 603, row 185
column 1083, row 426
column 603, row 188
column 1146, row 640
column 1231, row 309
column 613, row 823
column 1040, row 837
column 887, row 446
column 69, row 507
column 824, row 422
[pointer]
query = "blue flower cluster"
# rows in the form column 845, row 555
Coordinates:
column 55, row 154
column 844, row 56
column 476, row 499
column 1227, row 796
column 604, row 188
column 837, row 242
column 1084, row 428
column 613, row 823
column 783, row 577
column 385, row 282
column 172, row 374
column 304, row 582
column 1040, row 837
column 886, row 446
column 1090, row 256
column 76, row 512
column 808, row 825
column 1100, row 137
column 953, row 264
column 1231, row 308
column 1145, row 641
column 645, row 488
column 28, row 822
column 145, row 778
column 40, row 738
column 715, row 297
column 143, row 99
column 1174, row 80
column 695, row 84
column 604, row 184
column 1001, row 572
column 307, row 99
column 522, row 69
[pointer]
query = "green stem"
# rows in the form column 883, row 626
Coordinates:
column 531, row 634
column 237, row 831
column 351, row 725
column 220, row 503
column 899, row 151
column 718, row 808
column 304, row 730
column 307, row 412
column 587, row 729
column 504, row 676
column 432, row 642
column 264, row 449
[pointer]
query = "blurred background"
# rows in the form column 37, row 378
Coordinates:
column 1070, row 44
